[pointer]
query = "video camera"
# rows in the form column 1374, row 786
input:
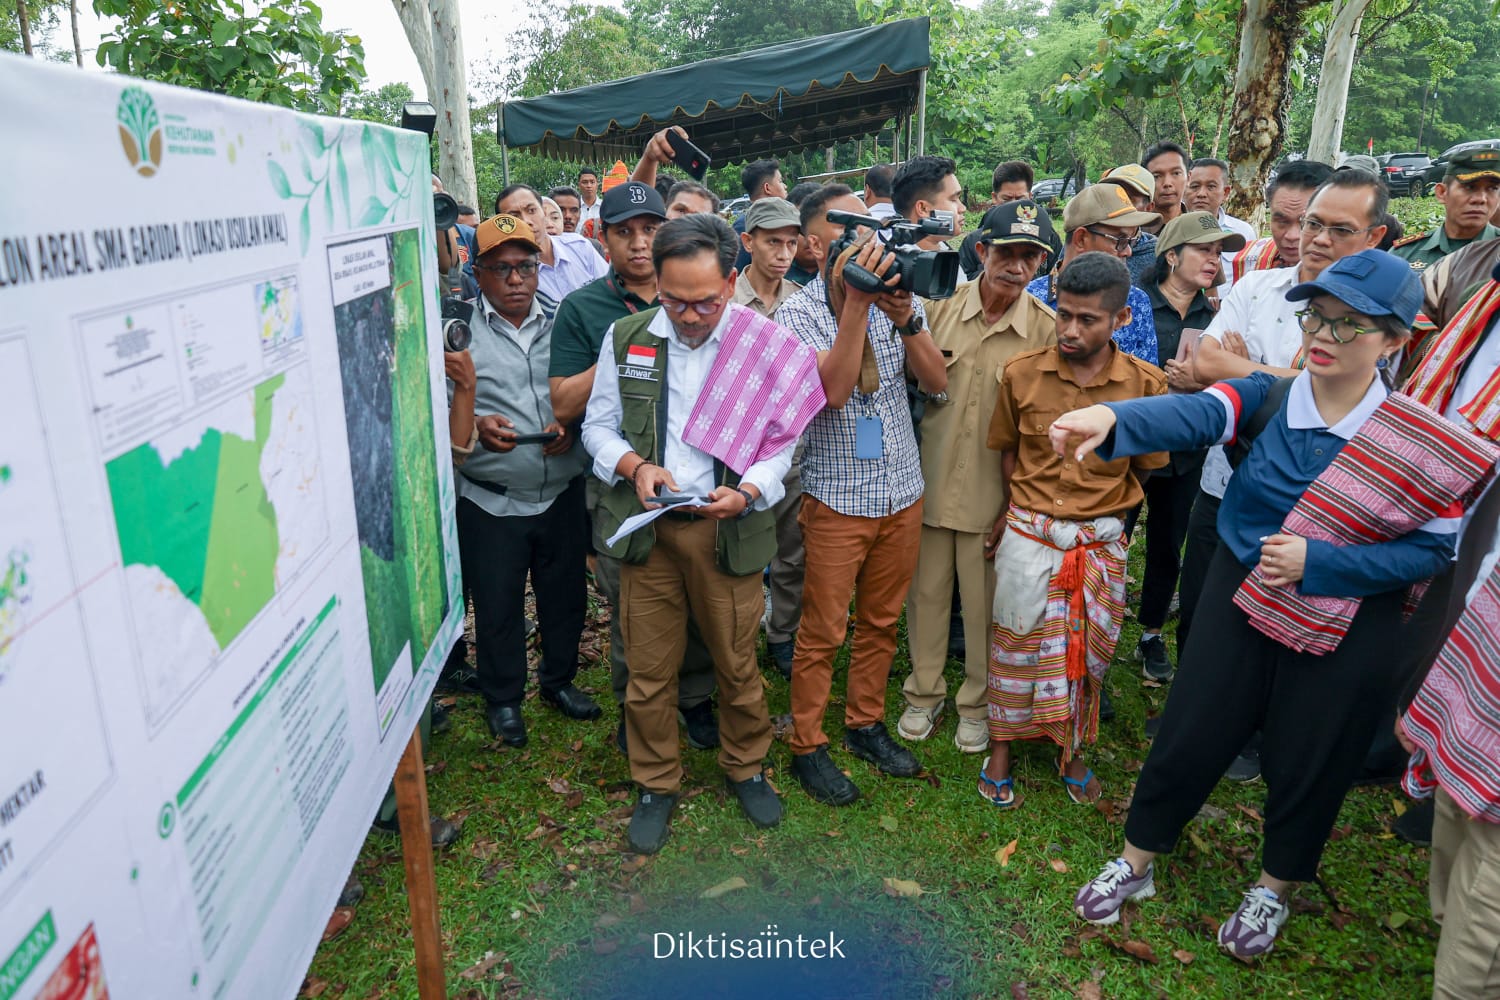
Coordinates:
column 455, row 316
column 932, row 274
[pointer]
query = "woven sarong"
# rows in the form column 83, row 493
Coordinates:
column 1406, row 466
column 1040, row 614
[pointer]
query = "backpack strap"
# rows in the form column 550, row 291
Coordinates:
column 1268, row 408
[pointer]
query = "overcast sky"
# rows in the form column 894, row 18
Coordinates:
column 388, row 58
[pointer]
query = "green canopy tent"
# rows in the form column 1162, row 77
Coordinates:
column 806, row 94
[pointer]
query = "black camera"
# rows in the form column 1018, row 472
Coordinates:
column 455, row 316
column 444, row 210
column 932, row 274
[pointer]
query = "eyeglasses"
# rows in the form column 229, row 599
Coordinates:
column 1121, row 243
column 1313, row 321
column 703, row 307
column 1313, row 227
column 525, row 269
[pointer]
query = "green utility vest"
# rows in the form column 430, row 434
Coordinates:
column 744, row 546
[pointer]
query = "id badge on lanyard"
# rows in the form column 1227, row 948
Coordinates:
column 868, row 442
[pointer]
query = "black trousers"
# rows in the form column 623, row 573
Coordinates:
column 497, row 554
column 1170, row 499
column 1317, row 713
column 1202, row 541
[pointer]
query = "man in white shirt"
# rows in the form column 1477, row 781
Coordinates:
column 568, row 261
column 877, row 193
column 699, row 557
column 590, row 202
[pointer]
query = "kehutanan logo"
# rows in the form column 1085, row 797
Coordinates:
column 140, row 130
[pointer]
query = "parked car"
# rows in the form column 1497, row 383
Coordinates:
column 1440, row 165
column 1049, row 192
column 1404, row 174
column 735, row 207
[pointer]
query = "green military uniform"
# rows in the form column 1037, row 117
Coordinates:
column 1423, row 250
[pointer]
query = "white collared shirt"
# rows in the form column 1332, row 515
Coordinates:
column 1257, row 309
column 1302, row 409
column 575, row 264
column 687, row 370
column 525, row 334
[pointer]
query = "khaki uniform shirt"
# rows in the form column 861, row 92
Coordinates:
column 1038, row 387
column 746, row 295
column 964, row 491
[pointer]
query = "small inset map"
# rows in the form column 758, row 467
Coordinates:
column 214, row 516
column 278, row 313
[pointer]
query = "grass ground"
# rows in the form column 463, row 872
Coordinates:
column 540, row 898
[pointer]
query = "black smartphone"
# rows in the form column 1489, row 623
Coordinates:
column 689, row 157
column 542, row 438
column 673, row 499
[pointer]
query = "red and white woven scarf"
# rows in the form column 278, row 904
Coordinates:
column 1405, row 467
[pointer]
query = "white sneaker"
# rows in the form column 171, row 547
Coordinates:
column 972, row 736
column 918, row 723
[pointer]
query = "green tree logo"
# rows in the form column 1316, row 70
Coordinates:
column 140, row 130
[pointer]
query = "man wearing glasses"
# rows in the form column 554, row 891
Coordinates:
column 1104, row 218
column 1257, row 329
column 521, row 494
column 696, row 408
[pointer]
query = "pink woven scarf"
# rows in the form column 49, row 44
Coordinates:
column 761, row 392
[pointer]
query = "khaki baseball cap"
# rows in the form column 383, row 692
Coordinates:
column 1106, row 204
column 1133, row 176
column 772, row 213
column 501, row 229
column 1196, row 227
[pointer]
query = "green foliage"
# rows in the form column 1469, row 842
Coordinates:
column 383, row 105
column 273, row 54
column 45, row 18
column 688, row 30
column 577, row 46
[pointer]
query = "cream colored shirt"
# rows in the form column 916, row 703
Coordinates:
column 962, row 475
column 746, row 295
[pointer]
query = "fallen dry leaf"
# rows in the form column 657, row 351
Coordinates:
column 1058, row 865
column 1020, row 991
column 1004, row 854
column 901, row 888
column 1089, row 990
column 723, row 888
column 1184, row 956
column 312, row 986
column 1140, row 950
column 484, row 965
column 560, row 786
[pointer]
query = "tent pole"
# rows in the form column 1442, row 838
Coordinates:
column 504, row 149
column 921, row 112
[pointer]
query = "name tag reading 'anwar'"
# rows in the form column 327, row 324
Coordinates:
column 640, row 363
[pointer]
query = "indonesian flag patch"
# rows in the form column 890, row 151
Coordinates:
column 639, row 354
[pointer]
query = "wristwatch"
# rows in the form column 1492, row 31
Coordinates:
column 749, row 504
column 912, row 327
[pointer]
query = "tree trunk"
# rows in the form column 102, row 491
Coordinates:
column 451, row 95
column 417, row 23
column 1257, row 127
column 25, row 23
column 1333, row 82
column 77, row 45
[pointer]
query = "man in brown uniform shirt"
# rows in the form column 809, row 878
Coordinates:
column 1060, row 569
column 986, row 323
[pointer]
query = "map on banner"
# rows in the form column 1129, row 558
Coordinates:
column 229, row 565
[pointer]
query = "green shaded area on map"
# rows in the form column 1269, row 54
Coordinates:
column 396, row 494
column 204, row 519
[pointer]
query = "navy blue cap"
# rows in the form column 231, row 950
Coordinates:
column 1372, row 282
column 626, row 201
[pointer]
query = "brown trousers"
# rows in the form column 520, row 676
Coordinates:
column 871, row 558
column 682, row 576
column 1465, row 892
column 944, row 556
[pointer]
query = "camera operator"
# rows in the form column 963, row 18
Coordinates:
column 861, row 512
column 521, row 495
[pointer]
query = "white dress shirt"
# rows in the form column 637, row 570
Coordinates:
column 1257, row 309
column 687, row 370
column 576, row 263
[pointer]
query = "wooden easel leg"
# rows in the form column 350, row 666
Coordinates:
column 421, row 890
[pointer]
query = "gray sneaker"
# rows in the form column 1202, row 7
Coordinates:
column 1099, row 902
column 1251, row 932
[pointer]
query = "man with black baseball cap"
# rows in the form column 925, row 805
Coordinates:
column 986, row 323
column 629, row 216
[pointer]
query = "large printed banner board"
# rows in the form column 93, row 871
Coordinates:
column 228, row 560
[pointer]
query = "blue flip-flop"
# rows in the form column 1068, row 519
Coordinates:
column 1083, row 788
column 1001, row 787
